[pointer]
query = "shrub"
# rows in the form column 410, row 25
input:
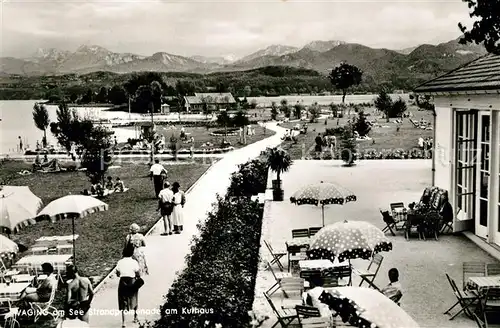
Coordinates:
column 361, row 125
column 249, row 180
column 336, row 131
column 348, row 145
column 218, row 279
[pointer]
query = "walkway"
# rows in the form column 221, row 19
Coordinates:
column 166, row 254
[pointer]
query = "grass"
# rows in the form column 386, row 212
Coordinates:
column 383, row 139
column 202, row 135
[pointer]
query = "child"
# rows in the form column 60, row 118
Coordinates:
column 119, row 186
column 109, row 183
column 393, row 290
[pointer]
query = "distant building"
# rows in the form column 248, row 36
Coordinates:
column 213, row 100
column 467, row 144
column 165, row 109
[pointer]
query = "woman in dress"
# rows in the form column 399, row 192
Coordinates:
column 138, row 242
column 177, row 213
column 128, row 270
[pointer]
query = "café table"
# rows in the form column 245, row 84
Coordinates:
column 298, row 242
column 482, row 283
column 54, row 240
column 58, row 261
column 13, row 290
column 321, row 265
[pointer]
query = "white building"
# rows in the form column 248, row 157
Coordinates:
column 213, row 100
column 467, row 144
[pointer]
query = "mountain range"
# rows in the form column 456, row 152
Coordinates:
column 317, row 55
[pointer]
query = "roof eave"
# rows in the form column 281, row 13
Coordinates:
column 431, row 92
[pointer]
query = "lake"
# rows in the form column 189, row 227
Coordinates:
column 17, row 118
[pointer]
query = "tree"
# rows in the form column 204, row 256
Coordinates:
column 221, row 87
column 63, row 129
column 205, row 101
column 223, row 119
column 279, row 161
column 88, row 98
column 97, row 155
column 73, row 97
column 345, row 76
column 148, row 97
column 361, row 125
column 348, row 145
column 424, row 102
column 253, row 104
column 314, row 112
column 284, row 108
column 383, row 103
column 240, row 119
column 398, row 108
column 42, row 121
column 274, row 111
column 297, row 110
column 486, row 28
column 173, row 146
column 117, row 95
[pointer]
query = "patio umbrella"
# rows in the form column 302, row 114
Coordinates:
column 367, row 308
column 18, row 207
column 7, row 245
column 72, row 206
column 348, row 240
column 323, row 193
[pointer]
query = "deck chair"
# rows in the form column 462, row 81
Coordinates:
column 370, row 273
column 472, row 269
column 300, row 233
column 389, row 221
column 46, row 308
column 276, row 255
column 465, row 299
column 278, row 276
column 493, row 269
column 491, row 303
column 309, row 317
column 313, row 231
column 285, row 317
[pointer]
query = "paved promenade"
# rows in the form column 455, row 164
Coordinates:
column 166, row 254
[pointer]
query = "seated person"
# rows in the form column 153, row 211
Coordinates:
column 44, row 290
column 45, row 159
column 85, row 192
column 446, row 210
column 97, row 189
column 311, row 297
column 119, row 185
column 109, row 183
column 38, row 163
column 393, row 290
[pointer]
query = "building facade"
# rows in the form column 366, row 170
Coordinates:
column 466, row 159
column 214, row 101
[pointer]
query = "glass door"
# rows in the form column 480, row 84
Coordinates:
column 483, row 170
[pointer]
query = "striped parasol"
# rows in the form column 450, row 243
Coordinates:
column 18, row 207
column 323, row 193
column 348, row 240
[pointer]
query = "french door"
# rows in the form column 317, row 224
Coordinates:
column 483, row 172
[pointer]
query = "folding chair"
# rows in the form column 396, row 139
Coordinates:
column 10, row 316
column 313, row 231
column 284, row 316
column 390, row 223
column 300, row 233
column 395, row 206
column 370, row 273
column 276, row 255
column 472, row 269
column 340, row 274
column 295, row 254
column 491, row 303
column 465, row 299
column 493, row 269
column 310, row 317
column 47, row 308
column 479, row 322
column 292, row 287
column 278, row 276
column 446, row 226
column 307, row 274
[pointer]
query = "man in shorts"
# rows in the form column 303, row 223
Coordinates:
column 80, row 293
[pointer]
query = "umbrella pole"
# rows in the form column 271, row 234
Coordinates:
column 323, row 214
column 74, row 252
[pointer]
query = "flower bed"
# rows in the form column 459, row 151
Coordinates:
column 229, row 132
column 374, row 155
column 218, row 280
column 180, row 151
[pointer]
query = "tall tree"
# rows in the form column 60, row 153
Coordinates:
column 63, row 128
column 274, row 110
column 486, row 28
column 42, row 121
column 345, row 76
column 88, row 97
column 117, row 95
column 97, row 154
column 383, row 103
column 314, row 112
column 102, row 96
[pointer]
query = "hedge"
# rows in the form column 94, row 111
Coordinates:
column 374, row 154
column 249, row 180
column 218, row 282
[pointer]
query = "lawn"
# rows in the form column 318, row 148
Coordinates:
column 202, row 135
column 383, row 138
column 101, row 234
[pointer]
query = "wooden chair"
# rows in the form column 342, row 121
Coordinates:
column 389, row 221
column 342, row 274
column 285, row 317
column 465, row 299
column 371, row 272
column 295, row 254
column 313, row 231
column 491, row 304
column 493, row 269
column 300, row 233
column 472, row 269
column 310, row 317
column 276, row 255
column 292, row 287
column 395, row 206
column 278, row 276
column 307, row 274
column 479, row 322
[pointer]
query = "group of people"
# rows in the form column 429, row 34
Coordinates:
column 97, row 189
column 425, row 144
column 324, row 141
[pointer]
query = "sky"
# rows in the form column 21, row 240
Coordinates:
column 223, row 28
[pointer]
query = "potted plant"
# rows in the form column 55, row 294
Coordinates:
column 279, row 161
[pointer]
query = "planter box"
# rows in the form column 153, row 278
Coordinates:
column 278, row 195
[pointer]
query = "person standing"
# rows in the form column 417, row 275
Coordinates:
column 128, row 270
column 20, row 144
column 79, row 294
column 179, row 200
column 137, row 241
column 166, row 206
column 158, row 173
